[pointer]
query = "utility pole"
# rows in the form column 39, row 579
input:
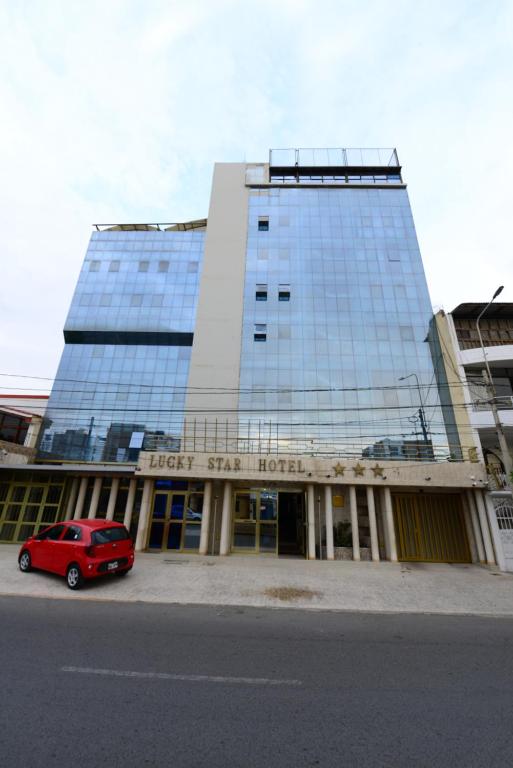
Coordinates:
column 506, row 457
column 423, row 425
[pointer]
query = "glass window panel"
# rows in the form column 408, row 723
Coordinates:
column 174, row 535
column 177, row 507
column 49, row 514
column 13, row 512
column 268, row 505
column 245, row 506
column 267, row 537
column 18, row 493
column 7, row 531
column 25, row 531
column 156, row 533
column 35, row 495
column 54, row 494
column 195, row 507
column 159, row 505
column 244, row 535
column 192, row 536
column 30, row 513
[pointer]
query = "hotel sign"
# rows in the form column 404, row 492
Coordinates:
column 308, row 469
column 224, row 463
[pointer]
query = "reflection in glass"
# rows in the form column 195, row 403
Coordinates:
column 192, row 536
column 195, row 507
column 268, row 505
column 245, row 506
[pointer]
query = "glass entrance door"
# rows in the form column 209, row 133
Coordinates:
column 255, row 521
column 176, row 521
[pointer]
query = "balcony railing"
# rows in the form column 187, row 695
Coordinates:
column 334, row 157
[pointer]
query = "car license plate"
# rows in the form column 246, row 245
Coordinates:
column 113, row 566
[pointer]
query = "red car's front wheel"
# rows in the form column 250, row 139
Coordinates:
column 25, row 562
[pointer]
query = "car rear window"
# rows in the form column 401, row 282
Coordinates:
column 106, row 535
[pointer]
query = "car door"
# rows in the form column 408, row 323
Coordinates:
column 49, row 548
column 69, row 548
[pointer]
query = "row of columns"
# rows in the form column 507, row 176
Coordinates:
column 388, row 523
column 482, row 529
column 76, row 500
column 480, row 519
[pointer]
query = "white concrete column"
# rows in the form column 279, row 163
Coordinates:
column 328, row 511
column 129, row 506
column 310, row 498
column 113, row 495
column 371, row 508
column 389, row 515
column 81, row 498
column 470, row 533
column 494, row 529
column 144, row 516
column 226, row 519
column 205, row 518
column 72, row 499
column 471, row 503
column 382, row 509
column 354, row 522
column 93, row 506
column 487, row 541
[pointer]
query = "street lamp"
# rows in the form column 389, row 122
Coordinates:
column 421, row 409
column 506, row 458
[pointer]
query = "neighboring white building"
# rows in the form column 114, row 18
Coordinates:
column 466, row 394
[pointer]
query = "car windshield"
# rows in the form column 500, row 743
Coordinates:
column 106, row 535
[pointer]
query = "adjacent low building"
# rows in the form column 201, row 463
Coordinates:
column 259, row 381
column 462, row 361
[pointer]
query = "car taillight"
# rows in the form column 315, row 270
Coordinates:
column 90, row 551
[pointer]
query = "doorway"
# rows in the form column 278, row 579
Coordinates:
column 176, row 521
column 291, row 524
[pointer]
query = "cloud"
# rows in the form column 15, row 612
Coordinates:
column 117, row 111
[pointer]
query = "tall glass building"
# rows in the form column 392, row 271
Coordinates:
column 261, row 380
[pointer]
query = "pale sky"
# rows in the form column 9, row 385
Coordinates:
column 116, row 111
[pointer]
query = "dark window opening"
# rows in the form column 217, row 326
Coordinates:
column 283, row 295
column 260, row 333
column 261, row 293
column 263, row 225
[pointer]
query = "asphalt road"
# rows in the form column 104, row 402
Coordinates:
column 115, row 684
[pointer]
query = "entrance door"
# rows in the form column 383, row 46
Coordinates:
column 430, row 528
column 255, row 521
column 176, row 521
column 291, row 523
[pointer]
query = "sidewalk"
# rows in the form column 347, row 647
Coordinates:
column 283, row 583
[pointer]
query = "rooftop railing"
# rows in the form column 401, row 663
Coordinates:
column 334, row 157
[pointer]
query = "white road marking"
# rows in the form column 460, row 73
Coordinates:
column 186, row 678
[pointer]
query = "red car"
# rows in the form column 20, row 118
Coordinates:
column 79, row 550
